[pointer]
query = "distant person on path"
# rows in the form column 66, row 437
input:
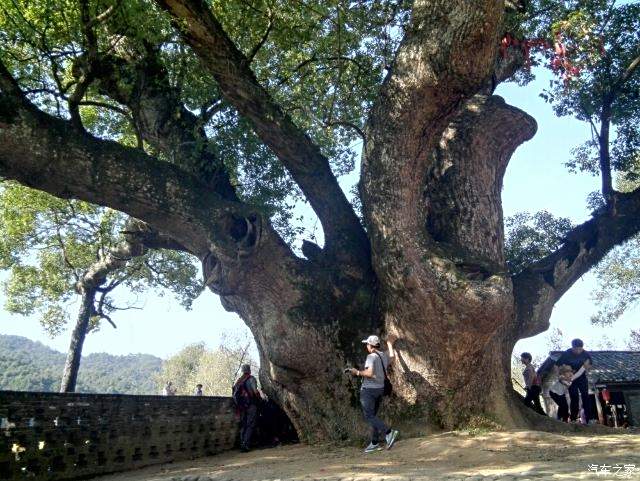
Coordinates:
column 372, row 391
column 169, row 390
column 198, row 391
column 531, row 384
column 246, row 397
column 577, row 357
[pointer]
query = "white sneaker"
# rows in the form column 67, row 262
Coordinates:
column 391, row 438
column 372, row 448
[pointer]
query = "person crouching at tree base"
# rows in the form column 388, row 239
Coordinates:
column 531, row 384
column 578, row 358
column 246, row 397
column 375, row 385
column 560, row 389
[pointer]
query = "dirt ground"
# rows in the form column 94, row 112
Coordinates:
column 510, row 455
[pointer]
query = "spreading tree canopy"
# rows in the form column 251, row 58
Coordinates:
column 208, row 120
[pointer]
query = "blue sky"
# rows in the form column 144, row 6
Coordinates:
column 536, row 179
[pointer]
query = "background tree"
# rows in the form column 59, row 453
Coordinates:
column 179, row 368
column 206, row 88
column 594, row 53
column 216, row 369
column 529, row 238
column 60, row 251
column 618, row 283
column 618, row 275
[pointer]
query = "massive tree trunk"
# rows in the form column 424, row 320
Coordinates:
column 428, row 265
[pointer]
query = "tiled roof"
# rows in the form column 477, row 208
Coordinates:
column 608, row 366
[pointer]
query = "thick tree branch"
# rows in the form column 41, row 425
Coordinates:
column 344, row 236
column 538, row 287
column 117, row 257
column 243, row 257
column 448, row 55
column 144, row 234
column 603, row 149
column 50, row 154
column 626, row 75
column 464, row 185
column 254, row 51
column 142, row 84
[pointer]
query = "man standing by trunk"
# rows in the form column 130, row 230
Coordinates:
column 246, row 397
column 577, row 357
column 374, row 374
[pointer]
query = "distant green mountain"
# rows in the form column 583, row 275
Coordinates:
column 26, row 365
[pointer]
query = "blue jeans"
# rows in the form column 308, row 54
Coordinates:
column 370, row 399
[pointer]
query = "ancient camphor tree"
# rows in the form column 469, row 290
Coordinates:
column 212, row 116
column 57, row 251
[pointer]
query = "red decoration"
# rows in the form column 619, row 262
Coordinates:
column 560, row 64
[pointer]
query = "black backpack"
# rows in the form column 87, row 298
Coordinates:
column 388, row 387
column 240, row 394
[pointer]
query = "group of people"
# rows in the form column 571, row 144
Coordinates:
column 573, row 365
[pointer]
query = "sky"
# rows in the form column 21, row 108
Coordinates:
column 536, row 179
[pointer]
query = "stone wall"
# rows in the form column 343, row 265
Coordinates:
column 50, row 436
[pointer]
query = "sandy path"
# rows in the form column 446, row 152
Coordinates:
column 504, row 456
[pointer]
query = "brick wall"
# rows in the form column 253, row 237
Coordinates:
column 50, row 436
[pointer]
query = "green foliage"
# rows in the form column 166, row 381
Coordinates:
column 593, row 52
column 531, row 237
column 618, row 282
column 216, row 369
column 30, row 366
column 595, row 44
column 47, row 244
column 323, row 61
